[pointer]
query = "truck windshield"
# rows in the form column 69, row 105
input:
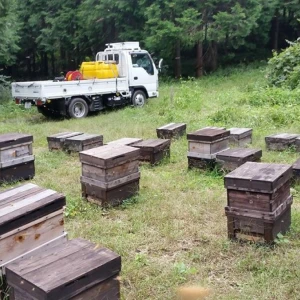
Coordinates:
column 142, row 60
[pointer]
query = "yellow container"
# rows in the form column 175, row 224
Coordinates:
column 98, row 69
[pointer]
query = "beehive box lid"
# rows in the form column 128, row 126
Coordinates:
column 208, row 134
column 240, row 132
column 239, row 154
column 261, row 177
column 84, row 137
column 26, row 203
column 63, row 271
column 281, row 137
column 125, row 141
column 109, row 156
column 153, row 145
column 63, row 135
column 12, row 139
column 172, row 126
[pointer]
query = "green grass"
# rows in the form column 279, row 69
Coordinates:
column 174, row 232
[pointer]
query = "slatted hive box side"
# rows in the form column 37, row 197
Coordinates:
column 56, row 141
column 47, row 275
column 280, row 142
column 83, row 142
column 171, row 131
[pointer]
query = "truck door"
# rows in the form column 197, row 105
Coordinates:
column 143, row 73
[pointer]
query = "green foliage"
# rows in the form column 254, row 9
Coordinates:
column 4, row 89
column 284, row 68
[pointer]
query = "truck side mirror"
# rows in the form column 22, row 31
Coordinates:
column 160, row 64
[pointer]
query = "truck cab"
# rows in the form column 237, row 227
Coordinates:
column 135, row 81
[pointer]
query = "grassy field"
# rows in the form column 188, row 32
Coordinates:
column 174, row 232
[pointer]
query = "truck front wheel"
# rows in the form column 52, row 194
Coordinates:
column 78, row 108
column 139, row 98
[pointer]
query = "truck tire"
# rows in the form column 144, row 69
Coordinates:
column 78, row 108
column 139, row 98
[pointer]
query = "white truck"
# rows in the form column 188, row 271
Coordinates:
column 137, row 80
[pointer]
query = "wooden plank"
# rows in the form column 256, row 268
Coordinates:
column 56, row 141
column 30, row 238
column 83, row 142
column 296, row 169
column 13, row 152
column 208, row 147
column 110, row 174
column 262, row 177
column 153, row 145
column 297, row 144
column 208, row 134
column 110, row 184
column 171, row 130
column 55, row 280
column 11, row 139
column 241, row 155
column 109, row 156
column 125, row 141
column 16, row 161
column 16, row 190
column 280, row 142
column 239, row 133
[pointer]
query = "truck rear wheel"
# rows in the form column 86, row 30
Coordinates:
column 78, row 108
column 139, row 98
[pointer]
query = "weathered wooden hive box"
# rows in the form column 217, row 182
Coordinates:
column 296, row 170
column 125, row 141
column 258, row 201
column 56, row 141
column 171, row 131
column 297, row 144
column 83, row 142
column 204, row 144
column 30, row 216
column 76, row 269
column 110, row 174
column 231, row 159
column 240, row 136
column 280, row 142
column 16, row 159
column 153, row 150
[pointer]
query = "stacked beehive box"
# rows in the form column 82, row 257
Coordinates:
column 204, row 144
column 76, row 269
column 171, row 131
column 110, row 174
column 259, row 201
column 280, row 142
column 56, row 141
column 153, row 150
column 16, row 159
column 30, row 216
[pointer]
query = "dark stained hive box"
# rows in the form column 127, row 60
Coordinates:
column 233, row 158
column 30, row 216
column 83, row 142
column 153, row 150
column 280, row 142
column 76, row 269
column 16, row 158
column 240, row 136
column 110, row 174
column 297, row 144
column 125, row 141
column 296, row 170
column 259, row 201
column 56, row 141
column 171, row 131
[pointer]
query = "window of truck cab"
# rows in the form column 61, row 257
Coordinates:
column 142, row 60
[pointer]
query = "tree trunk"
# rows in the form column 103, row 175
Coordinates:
column 177, row 60
column 214, row 55
column 199, row 59
column 53, row 64
column 276, row 30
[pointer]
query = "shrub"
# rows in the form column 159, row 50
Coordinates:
column 4, row 88
column 284, row 69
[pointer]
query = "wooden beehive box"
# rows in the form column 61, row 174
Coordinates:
column 110, row 174
column 207, row 142
column 83, row 142
column 30, row 216
column 296, row 170
column 124, row 141
column 16, row 158
column 231, row 159
column 240, row 136
column 154, row 150
column 259, row 200
column 297, row 144
column 56, row 141
column 76, row 269
column 171, row 131
column 280, row 142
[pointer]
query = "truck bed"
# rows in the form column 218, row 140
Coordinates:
column 62, row 89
